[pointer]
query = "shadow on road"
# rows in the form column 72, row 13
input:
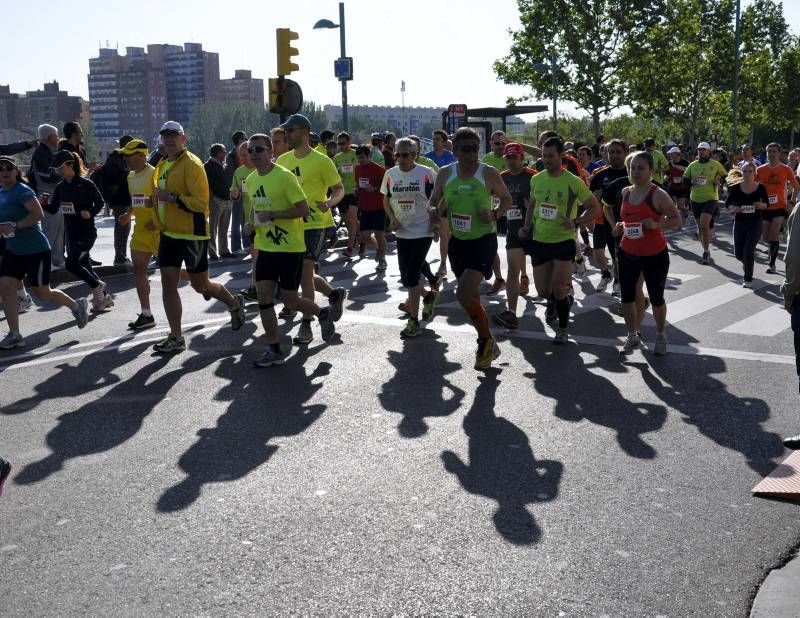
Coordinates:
column 502, row 467
column 265, row 404
column 416, row 392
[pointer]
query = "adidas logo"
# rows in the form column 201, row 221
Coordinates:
column 260, row 192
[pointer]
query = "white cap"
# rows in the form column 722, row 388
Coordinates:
column 170, row 126
column 673, row 150
column 704, row 146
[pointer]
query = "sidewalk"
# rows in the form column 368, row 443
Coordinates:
column 779, row 595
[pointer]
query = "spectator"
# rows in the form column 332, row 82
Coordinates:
column 112, row 180
column 219, row 203
column 73, row 141
column 237, row 210
column 17, row 147
column 44, row 180
column 388, row 150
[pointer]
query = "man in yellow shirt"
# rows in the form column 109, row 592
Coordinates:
column 278, row 207
column 181, row 190
column 316, row 174
column 144, row 241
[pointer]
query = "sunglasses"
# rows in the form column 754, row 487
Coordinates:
column 404, row 154
column 498, row 143
column 342, row 143
column 7, row 168
column 472, row 148
column 258, row 149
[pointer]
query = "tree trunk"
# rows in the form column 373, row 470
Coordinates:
column 596, row 121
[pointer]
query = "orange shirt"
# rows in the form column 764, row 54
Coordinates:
column 775, row 180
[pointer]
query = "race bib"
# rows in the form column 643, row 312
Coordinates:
column 677, row 180
column 748, row 209
column 461, row 223
column 262, row 219
column 700, row 180
column 244, row 187
column 138, row 200
column 633, row 231
column 514, row 214
column 68, row 208
column 548, row 212
column 347, row 168
column 773, row 199
column 405, row 206
column 363, row 183
column 495, row 201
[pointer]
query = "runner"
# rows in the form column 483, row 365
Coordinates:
column 747, row 156
column 551, row 222
column 790, row 289
column 660, row 163
column 673, row 181
column 420, row 158
column 643, row 256
column 617, row 150
column 238, row 192
column 369, row 176
column 376, row 141
column 440, row 154
column 80, row 201
column 181, row 191
column 517, row 179
column 704, row 176
column 26, row 253
column 278, row 207
column 495, row 156
column 747, row 199
column 467, row 187
column 775, row 176
column 345, row 161
column 279, row 145
column 145, row 239
column 316, row 174
column 406, row 189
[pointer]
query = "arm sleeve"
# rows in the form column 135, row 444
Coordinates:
column 97, row 199
column 330, row 174
column 733, row 190
column 294, row 192
column 12, row 149
column 385, row 184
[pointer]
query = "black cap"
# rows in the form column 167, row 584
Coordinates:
column 62, row 157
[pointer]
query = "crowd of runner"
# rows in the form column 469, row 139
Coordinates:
column 544, row 199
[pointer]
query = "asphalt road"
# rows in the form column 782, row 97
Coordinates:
column 377, row 476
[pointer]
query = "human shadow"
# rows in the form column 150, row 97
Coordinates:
column 705, row 402
column 265, row 404
column 418, row 386
column 40, row 339
column 502, row 467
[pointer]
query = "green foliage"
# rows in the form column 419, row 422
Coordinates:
column 315, row 113
column 215, row 123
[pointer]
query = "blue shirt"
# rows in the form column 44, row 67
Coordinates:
column 30, row 239
column 446, row 159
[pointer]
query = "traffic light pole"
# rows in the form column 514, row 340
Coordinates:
column 280, row 98
column 343, row 55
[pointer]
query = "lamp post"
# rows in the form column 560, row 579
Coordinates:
column 737, row 37
column 543, row 67
column 327, row 23
column 403, row 106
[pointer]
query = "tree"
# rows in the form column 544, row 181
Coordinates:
column 215, row 122
column 587, row 39
column 317, row 116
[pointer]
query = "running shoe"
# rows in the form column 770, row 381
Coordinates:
column 706, row 259
column 106, row 303
column 5, row 470
column 81, row 312
column 771, row 270
column 616, row 289
column 488, row 351
column 237, row 313
column 792, row 443
column 429, row 303
column 524, row 285
column 437, row 284
column 23, row 304
column 98, row 295
column 250, row 294
column 506, row 320
column 580, row 268
column 336, row 300
column 286, row 313
column 325, row 319
column 632, row 342
column 269, row 358
column 412, row 329
column 142, row 322
column 746, row 283
column 348, row 251
column 381, row 265
column 561, row 336
column 304, row 334
column 11, row 341
column 497, row 286
column 404, row 308
column 605, row 280
column 171, row 345
column 587, row 251
column 660, row 347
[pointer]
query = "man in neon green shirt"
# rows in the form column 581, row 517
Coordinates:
column 495, row 156
column 238, row 191
column 316, row 174
column 345, row 162
column 704, row 175
column 278, row 207
column 660, row 163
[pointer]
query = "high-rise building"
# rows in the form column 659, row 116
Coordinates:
column 242, row 88
column 48, row 105
column 407, row 120
column 192, row 77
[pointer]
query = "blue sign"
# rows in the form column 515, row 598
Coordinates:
column 343, row 68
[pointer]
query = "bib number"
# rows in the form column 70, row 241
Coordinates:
column 748, row 209
column 244, row 187
column 677, row 180
column 548, row 212
column 139, row 200
column 514, row 214
column 68, row 208
column 634, row 231
column 701, row 181
column 406, row 206
column 347, row 168
column 462, row 223
column 363, row 183
column 773, row 199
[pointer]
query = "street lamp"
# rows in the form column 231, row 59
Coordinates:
column 327, row 23
column 543, row 67
column 737, row 38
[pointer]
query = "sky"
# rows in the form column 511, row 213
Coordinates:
column 442, row 49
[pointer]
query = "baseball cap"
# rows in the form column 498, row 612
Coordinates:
column 60, row 158
column 673, row 150
column 12, row 161
column 170, row 126
column 132, row 147
column 513, row 149
column 704, row 146
column 297, row 121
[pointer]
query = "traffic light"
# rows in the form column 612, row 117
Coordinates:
column 285, row 96
column 284, row 37
column 274, row 95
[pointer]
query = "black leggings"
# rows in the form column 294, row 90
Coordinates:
column 78, row 262
column 655, row 269
column 746, row 233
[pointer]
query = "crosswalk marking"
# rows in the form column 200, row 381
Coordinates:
column 685, row 308
column 766, row 323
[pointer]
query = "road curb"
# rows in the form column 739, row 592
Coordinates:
column 778, row 597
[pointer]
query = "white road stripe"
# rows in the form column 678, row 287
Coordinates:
column 685, row 308
column 766, row 323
